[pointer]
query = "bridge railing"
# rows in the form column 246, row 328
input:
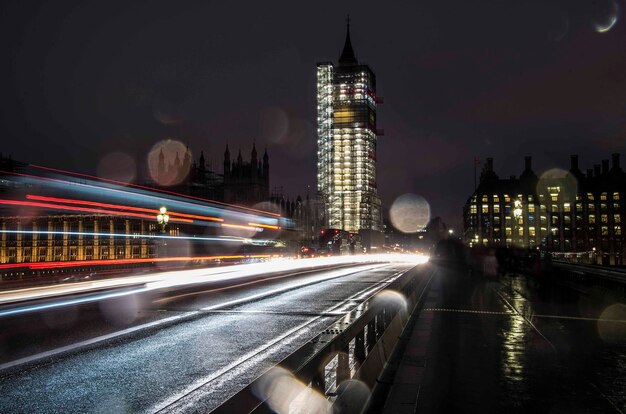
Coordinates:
column 347, row 358
column 604, row 273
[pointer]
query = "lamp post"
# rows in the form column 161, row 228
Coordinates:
column 163, row 218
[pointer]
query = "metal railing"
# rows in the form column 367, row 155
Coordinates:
column 616, row 275
column 347, row 356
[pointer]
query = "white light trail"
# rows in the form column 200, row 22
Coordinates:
column 175, row 279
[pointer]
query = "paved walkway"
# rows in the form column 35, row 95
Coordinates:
column 486, row 345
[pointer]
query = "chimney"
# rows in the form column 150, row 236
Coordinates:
column 528, row 163
column 615, row 157
column 589, row 173
column 596, row 170
column 573, row 162
column 489, row 164
column 605, row 166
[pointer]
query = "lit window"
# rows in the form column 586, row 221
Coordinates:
column 496, row 199
column 531, row 231
column 605, row 230
column 555, row 208
column 603, row 196
column 485, row 209
column 592, row 218
column 554, row 197
column 496, row 208
column 520, row 231
column 507, row 231
column 507, row 198
column 485, row 199
column 617, row 218
column 591, row 207
column 616, row 196
column 531, row 208
column 567, row 207
column 604, row 218
column 618, row 230
column 473, row 209
column 590, row 196
column 579, row 207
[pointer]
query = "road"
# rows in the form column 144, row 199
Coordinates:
column 512, row 345
column 192, row 347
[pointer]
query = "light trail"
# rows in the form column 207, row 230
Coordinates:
column 85, row 210
column 229, row 239
column 126, row 184
column 100, row 262
column 176, row 279
column 239, row 226
column 265, row 226
column 118, row 207
column 126, row 194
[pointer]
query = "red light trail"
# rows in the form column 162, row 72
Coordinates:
column 150, row 188
column 78, row 263
column 85, row 209
column 119, row 207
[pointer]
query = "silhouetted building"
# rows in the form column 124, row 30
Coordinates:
column 243, row 183
column 246, row 183
column 346, row 145
column 575, row 215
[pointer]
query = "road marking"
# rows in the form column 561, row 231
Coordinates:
column 526, row 319
column 606, row 397
column 468, row 311
column 149, row 325
column 159, row 407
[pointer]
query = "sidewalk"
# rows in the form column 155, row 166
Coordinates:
column 409, row 377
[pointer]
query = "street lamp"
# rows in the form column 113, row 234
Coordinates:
column 163, row 218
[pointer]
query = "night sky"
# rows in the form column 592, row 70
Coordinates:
column 82, row 79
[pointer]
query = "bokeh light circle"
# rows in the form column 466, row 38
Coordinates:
column 409, row 213
column 173, row 166
column 560, row 182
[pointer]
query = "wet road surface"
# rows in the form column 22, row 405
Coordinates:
column 200, row 360
column 513, row 345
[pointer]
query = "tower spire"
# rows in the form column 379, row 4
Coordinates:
column 347, row 56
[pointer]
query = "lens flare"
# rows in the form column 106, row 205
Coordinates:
column 612, row 324
column 169, row 162
column 557, row 184
column 285, row 394
column 409, row 213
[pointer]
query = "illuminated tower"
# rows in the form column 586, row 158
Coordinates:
column 346, row 143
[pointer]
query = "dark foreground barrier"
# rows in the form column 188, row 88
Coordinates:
column 592, row 273
column 341, row 365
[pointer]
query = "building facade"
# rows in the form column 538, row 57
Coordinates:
column 346, row 143
column 575, row 215
column 63, row 237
